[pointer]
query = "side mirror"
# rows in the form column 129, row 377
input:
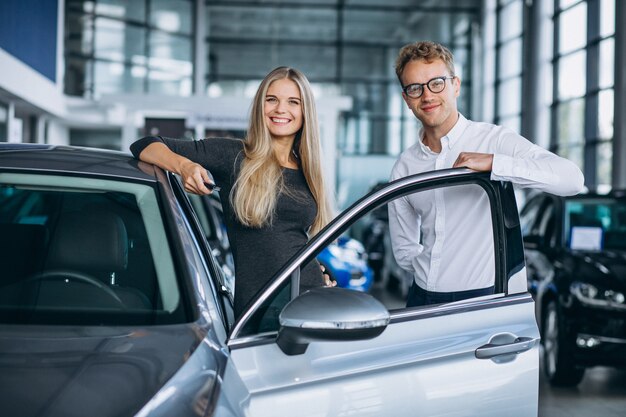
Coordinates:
column 329, row 314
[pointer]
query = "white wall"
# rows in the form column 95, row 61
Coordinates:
column 58, row 132
column 27, row 84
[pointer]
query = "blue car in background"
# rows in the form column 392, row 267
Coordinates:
column 346, row 262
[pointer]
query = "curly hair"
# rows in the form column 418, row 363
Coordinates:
column 425, row 51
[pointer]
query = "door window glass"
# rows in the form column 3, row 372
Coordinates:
column 441, row 240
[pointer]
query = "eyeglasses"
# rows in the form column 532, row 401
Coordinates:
column 435, row 85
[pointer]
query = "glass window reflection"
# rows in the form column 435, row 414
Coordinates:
column 573, row 28
column 572, row 75
column 607, row 17
column 604, row 159
column 605, row 114
column 122, row 9
column 172, row 15
column 510, row 23
column 571, row 118
column 573, row 153
column 115, row 77
column 510, row 62
column 563, row 4
column 118, row 41
column 510, row 97
column 607, row 63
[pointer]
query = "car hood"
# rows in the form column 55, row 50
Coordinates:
column 605, row 266
column 96, row 371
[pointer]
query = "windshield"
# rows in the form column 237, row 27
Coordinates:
column 84, row 251
column 596, row 224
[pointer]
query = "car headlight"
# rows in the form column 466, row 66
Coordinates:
column 591, row 295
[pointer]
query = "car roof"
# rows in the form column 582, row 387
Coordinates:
column 73, row 159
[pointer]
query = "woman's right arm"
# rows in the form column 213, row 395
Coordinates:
column 154, row 151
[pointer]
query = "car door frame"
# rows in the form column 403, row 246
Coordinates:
column 510, row 280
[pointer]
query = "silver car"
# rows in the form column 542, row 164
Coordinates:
column 112, row 304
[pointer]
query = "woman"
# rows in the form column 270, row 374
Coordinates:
column 273, row 191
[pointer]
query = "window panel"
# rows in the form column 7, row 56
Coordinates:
column 574, row 154
column 573, row 28
column 172, row 15
column 122, row 9
column 365, row 24
column 510, row 97
column 264, row 57
column 607, row 63
column 364, row 62
column 607, row 17
column 277, row 23
column 79, row 33
column 173, row 50
column 510, row 59
column 113, row 77
column 605, row 114
column 571, row 118
column 117, row 41
column 604, row 163
column 566, row 3
column 510, row 22
column 572, row 75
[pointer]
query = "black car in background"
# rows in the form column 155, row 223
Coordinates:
column 576, row 264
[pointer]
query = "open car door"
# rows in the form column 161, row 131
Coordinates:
column 337, row 352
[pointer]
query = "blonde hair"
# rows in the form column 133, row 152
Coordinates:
column 260, row 180
column 427, row 51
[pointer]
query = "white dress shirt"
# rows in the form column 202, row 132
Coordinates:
column 445, row 236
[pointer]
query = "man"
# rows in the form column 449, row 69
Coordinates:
column 443, row 237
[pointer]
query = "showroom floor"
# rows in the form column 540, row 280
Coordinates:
column 602, row 393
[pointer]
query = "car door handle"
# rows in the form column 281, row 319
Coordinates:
column 498, row 345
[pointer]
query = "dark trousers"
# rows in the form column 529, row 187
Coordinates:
column 420, row 297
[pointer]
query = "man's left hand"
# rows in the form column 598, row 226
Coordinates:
column 474, row 160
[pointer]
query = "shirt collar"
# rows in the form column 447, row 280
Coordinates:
column 453, row 135
column 457, row 130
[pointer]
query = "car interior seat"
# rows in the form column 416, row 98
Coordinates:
column 87, row 248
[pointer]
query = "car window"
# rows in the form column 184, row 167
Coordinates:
column 528, row 215
column 211, row 217
column 448, row 247
column 595, row 223
column 84, row 251
column 546, row 225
